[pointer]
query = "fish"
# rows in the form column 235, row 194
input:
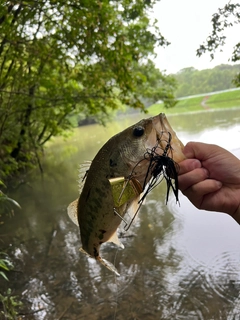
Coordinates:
column 118, row 179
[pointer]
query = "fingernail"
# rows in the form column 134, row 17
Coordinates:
column 206, row 172
column 196, row 164
column 219, row 184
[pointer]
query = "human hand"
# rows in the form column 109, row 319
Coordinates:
column 210, row 178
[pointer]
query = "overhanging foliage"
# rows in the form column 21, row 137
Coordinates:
column 63, row 57
column 225, row 17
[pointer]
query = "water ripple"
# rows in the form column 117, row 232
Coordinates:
column 211, row 291
column 223, row 275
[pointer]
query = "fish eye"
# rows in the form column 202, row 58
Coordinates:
column 138, row 131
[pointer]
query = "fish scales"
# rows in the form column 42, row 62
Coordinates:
column 123, row 156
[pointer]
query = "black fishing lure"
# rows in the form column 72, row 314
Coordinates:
column 160, row 167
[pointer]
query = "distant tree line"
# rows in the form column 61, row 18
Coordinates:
column 191, row 81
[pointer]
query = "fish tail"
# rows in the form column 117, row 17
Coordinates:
column 104, row 262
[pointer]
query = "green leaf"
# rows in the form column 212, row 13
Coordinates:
column 3, row 275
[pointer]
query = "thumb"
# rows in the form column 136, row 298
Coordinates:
column 198, row 150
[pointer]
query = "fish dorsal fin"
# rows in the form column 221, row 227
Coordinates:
column 72, row 208
column 72, row 211
column 114, row 239
column 83, row 171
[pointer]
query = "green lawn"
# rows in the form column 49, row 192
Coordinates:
column 219, row 100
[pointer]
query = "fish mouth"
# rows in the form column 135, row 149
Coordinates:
column 164, row 157
column 168, row 142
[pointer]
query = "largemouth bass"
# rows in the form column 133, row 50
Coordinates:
column 117, row 180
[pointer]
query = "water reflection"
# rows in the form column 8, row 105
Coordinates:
column 178, row 263
column 210, row 292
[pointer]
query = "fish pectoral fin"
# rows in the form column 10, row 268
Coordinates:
column 72, row 211
column 133, row 210
column 104, row 262
column 142, row 197
column 114, row 239
column 134, row 206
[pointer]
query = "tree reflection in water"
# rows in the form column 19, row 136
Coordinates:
column 155, row 283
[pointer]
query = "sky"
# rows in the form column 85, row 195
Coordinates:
column 187, row 24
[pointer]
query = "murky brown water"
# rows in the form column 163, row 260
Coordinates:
column 178, row 262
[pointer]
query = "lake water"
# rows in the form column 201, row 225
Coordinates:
column 178, row 262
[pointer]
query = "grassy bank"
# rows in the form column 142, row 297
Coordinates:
column 228, row 99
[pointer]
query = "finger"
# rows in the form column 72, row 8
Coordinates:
column 191, row 178
column 197, row 192
column 198, row 150
column 188, row 165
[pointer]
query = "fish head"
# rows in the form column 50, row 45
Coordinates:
column 128, row 149
column 155, row 132
column 133, row 142
column 133, row 145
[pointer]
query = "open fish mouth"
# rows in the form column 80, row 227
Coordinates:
column 167, row 138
